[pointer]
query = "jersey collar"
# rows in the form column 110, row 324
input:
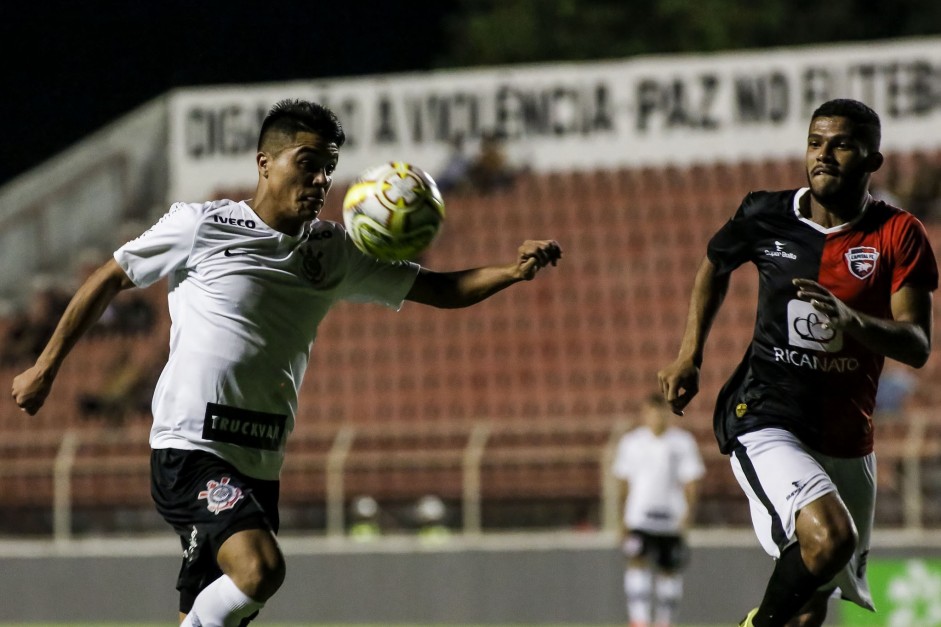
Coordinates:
column 833, row 229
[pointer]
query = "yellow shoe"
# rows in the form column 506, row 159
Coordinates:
column 746, row 622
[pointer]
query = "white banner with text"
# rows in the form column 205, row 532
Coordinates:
column 573, row 116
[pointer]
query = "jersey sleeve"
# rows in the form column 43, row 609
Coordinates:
column 915, row 265
column 376, row 281
column 621, row 468
column 691, row 466
column 163, row 248
column 730, row 247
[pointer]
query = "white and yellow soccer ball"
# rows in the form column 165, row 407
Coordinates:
column 393, row 211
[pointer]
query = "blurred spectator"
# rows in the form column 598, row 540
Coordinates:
column 915, row 187
column 364, row 516
column 897, row 387
column 925, row 193
column 455, row 174
column 130, row 313
column 490, row 169
column 30, row 328
column 128, row 389
column 431, row 515
column 660, row 467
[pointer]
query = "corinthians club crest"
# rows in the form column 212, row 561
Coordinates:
column 220, row 495
column 862, row 261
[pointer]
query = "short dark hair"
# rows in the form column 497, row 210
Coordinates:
column 863, row 118
column 289, row 117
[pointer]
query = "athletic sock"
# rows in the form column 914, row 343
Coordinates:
column 669, row 592
column 637, row 588
column 790, row 587
column 221, row 604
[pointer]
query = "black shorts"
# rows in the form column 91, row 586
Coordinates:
column 666, row 551
column 206, row 500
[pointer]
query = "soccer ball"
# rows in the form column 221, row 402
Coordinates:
column 393, row 211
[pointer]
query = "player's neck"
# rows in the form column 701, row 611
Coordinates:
column 275, row 219
column 836, row 213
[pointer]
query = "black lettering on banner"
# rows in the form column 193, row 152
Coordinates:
column 385, row 128
column 230, row 129
column 762, row 98
column 815, row 89
column 682, row 103
column 244, row 427
column 348, row 112
column 413, row 115
column 648, row 101
column 603, row 118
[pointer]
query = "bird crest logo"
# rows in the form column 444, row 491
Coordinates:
column 861, row 261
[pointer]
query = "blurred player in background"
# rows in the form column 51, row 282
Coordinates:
column 844, row 282
column 660, row 467
column 249, row 282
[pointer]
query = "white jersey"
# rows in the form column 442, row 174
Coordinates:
column 657, row 468
column 245, row 302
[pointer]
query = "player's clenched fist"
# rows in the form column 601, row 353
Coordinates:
column 536, row 254
column 30, row 389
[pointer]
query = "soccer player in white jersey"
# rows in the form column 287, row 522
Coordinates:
column 660, row 467
column 249, row 283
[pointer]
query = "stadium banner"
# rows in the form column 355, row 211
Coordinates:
column 906, row 593
column 643, row 111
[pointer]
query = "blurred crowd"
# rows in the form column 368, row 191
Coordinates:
column 914, row 186
column 26, row 326
column 486, row 171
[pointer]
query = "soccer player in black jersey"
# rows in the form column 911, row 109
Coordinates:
column 844, row 282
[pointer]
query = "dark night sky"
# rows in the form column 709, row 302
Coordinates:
column 69, row 68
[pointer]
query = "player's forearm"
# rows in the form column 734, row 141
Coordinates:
column 451, row 290
column 906, row 342
column 83, row 310
column 706, row 299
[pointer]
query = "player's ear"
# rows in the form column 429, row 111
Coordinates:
column 261, row 159
column 874, row 161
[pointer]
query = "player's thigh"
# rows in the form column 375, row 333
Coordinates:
column 780, row 477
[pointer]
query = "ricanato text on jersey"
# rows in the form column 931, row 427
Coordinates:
column 816, row 362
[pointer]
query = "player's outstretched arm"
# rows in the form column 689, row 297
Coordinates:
column 31, row 387
column 905, row 338
column 679, row 381
column 462, row 288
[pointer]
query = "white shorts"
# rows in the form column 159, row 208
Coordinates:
column 780, row 476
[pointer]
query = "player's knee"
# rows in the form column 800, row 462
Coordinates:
column 830, row 546
column 261, row 576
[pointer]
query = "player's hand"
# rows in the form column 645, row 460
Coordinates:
column 679, row 383
column 30, row 389
column 537, row 254
column 840, row 315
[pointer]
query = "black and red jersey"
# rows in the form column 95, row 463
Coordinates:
column 797, row 375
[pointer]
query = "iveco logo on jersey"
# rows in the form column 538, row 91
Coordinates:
column 862, row 261
column 234, row 221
